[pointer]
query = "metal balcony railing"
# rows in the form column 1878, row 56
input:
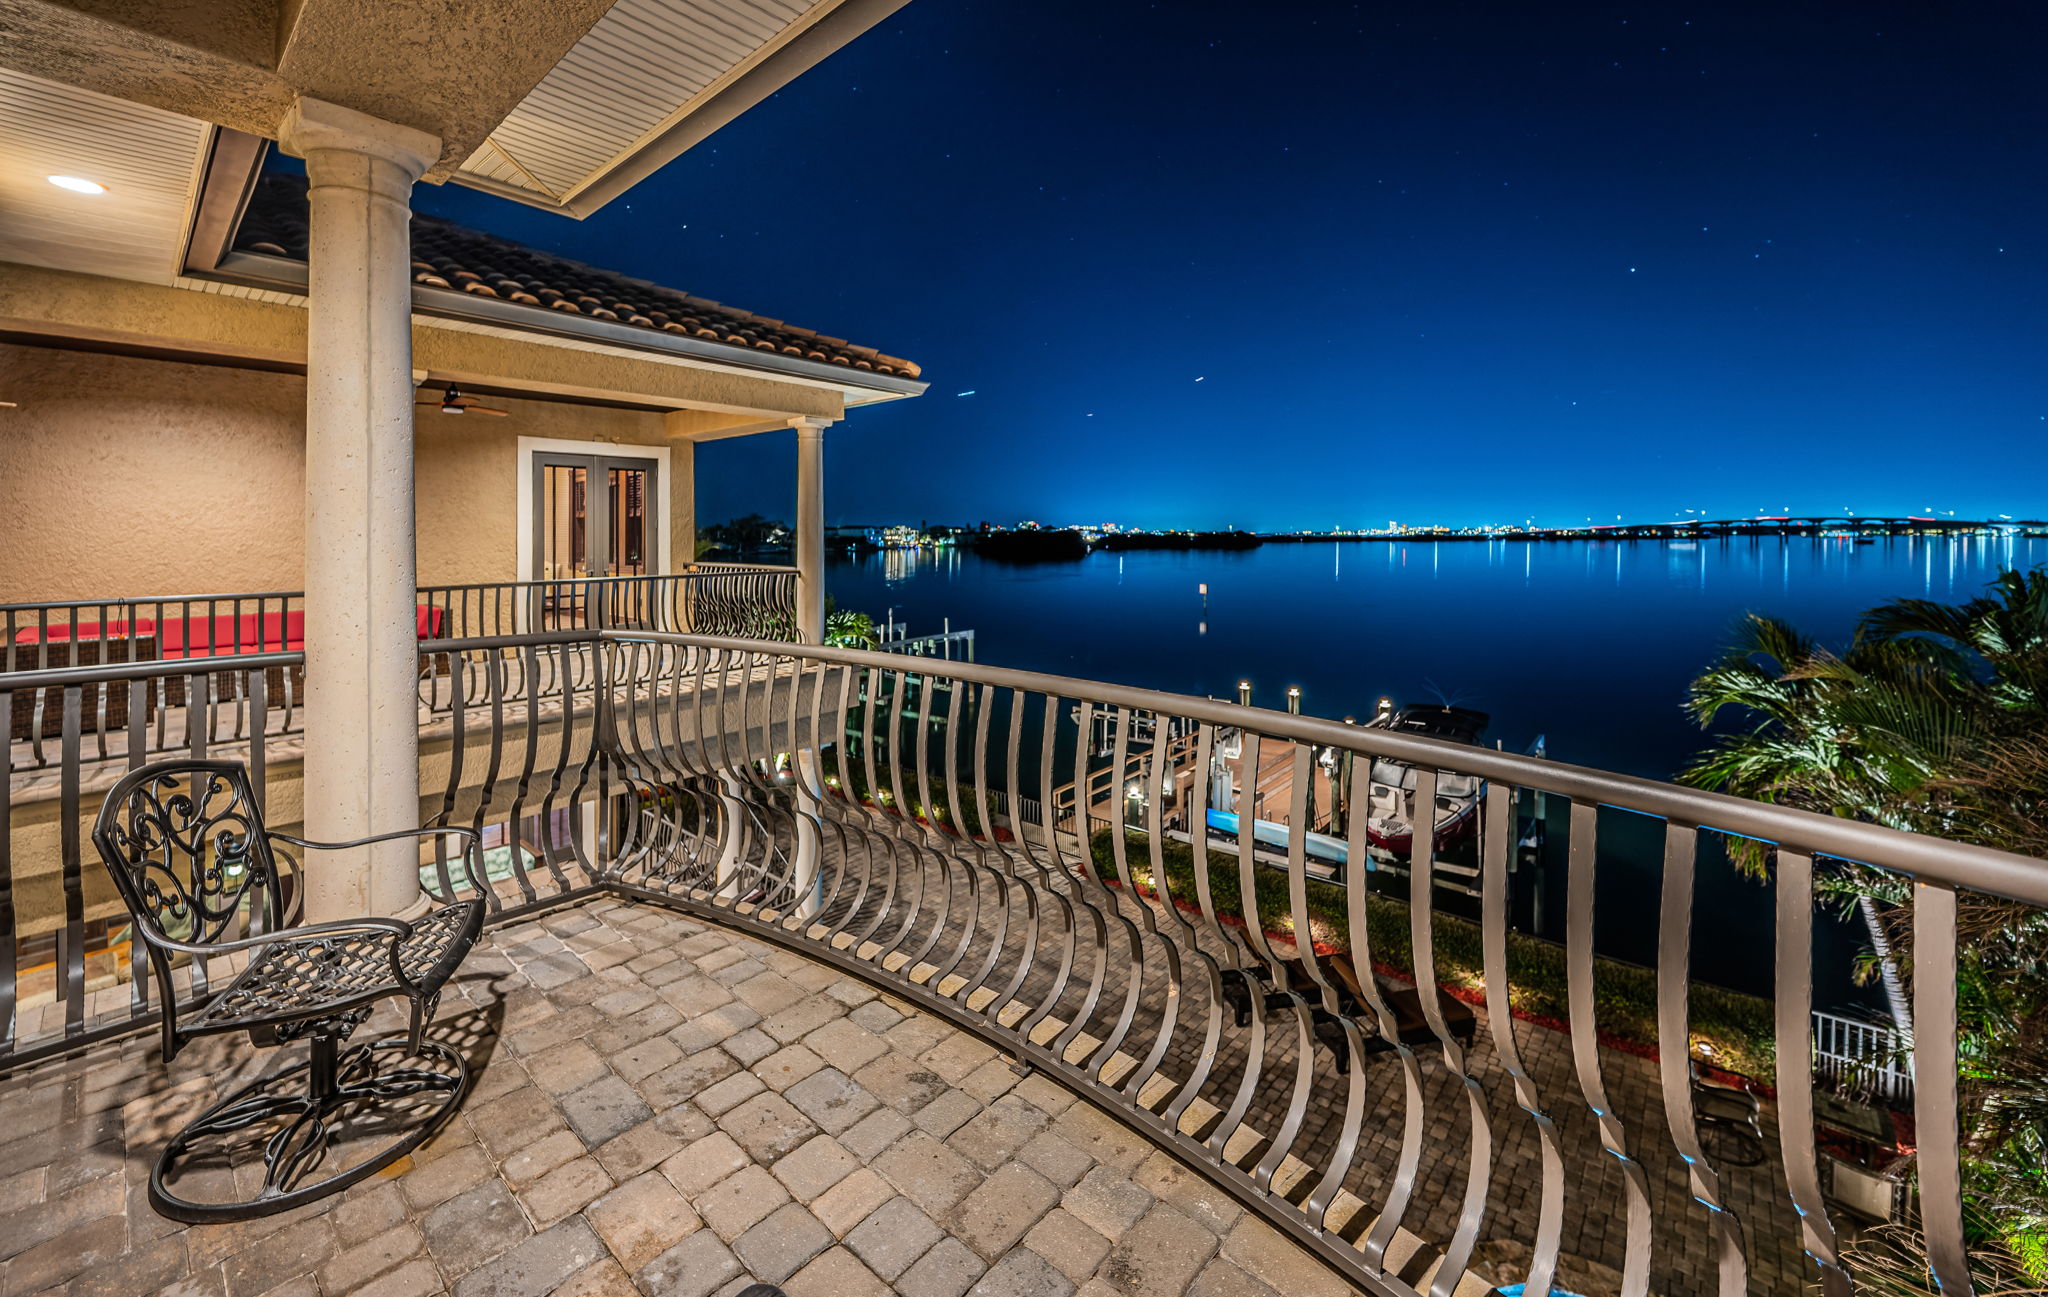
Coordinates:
column 197, row 631
column 1262, row 1008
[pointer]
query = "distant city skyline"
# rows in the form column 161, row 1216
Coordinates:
column 1398, row 525
column 1465, row 263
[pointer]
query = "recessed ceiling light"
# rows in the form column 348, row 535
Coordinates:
column 78, row 184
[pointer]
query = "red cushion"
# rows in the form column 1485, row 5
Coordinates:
column 82, row 630
column 270, row 632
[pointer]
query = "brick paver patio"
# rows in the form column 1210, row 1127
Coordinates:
column 662, row 1107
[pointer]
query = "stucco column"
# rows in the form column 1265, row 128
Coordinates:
column 362, row 652
column 810, row 527
column 682, row 494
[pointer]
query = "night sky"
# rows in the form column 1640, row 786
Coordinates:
column 1310, row 265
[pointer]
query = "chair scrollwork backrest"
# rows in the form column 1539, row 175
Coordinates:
column 185, row 843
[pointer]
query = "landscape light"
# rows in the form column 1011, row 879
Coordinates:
column 78, row 184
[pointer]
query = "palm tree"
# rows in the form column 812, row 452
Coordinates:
column 1863, row 735
column 2001, row 641
column 1934, row 719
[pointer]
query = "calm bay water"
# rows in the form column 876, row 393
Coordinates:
column 1588, row 644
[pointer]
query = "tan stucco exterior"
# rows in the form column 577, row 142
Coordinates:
column 145, row 474
column 124, row 477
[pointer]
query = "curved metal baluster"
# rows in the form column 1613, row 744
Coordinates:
column 1324, row 1195
column 1162, row 889
column 1198, row 838
column 1254, row 929
column 457, row 696
column 771, row 866
column 1674, row 1063
column 640, row 760
column 904, row 824
column 1013, row 763
column 1135, row 961
column 547, row 804
column 1795, row 1067
column 1935, row 1101
column 690, row 776
column 593, row 755
column 756, row 753
column 528, row 655
column 830, row 797
column 1499, row 840
column 1071, row 928
column 875, row 832
column 1305, row 950
column 929, row 838
column 988, row 848
column 1635, row 1278
column 619, row 758
column 881, row 837
column 494, row 675
column 1401, row 1192
column 1479, row 1166
column 1086, row 883
column 807, row 791
column 847, row 817
column 713, row 674
column 979, row 864
column 663, row 754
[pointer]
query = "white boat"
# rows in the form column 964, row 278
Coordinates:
column 1390, row 805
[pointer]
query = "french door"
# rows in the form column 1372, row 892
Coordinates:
column 594, row 516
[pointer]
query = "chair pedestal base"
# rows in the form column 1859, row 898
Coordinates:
column 366, row 1106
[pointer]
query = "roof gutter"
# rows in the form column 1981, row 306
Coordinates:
column 260, row 270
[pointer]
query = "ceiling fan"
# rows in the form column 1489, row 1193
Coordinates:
column 454, row 402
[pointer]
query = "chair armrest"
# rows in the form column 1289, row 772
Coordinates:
column 427, row 832
column 469, row 866
column 398, row 928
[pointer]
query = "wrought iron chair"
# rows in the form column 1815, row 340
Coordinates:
column 202, row 878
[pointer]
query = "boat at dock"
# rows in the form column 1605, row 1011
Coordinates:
column 1391, row 813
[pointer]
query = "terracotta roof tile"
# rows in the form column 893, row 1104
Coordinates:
column 452, row 256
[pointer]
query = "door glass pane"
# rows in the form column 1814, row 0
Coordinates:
column 565, row 530
column 628, row 522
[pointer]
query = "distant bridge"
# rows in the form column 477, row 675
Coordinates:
column 1792, row 525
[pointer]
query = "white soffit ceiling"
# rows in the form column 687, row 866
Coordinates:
column 645, row 66
column 149, row 160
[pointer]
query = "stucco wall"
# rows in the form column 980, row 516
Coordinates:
column 466, row 468
column 122, row 476
column 139, row 477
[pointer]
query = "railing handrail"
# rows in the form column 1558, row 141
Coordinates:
column 250, row 596
column 1929, row 859
column 150, row 669
column 141, row 600
column 723, row 565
